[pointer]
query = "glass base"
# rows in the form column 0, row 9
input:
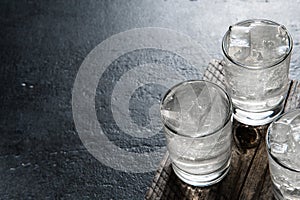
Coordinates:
column 277, row 194
column 257, row 118
column 284, row 195
column 202, row 180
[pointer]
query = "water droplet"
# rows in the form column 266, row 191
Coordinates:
column 31, row 86
column 26, row 164
column 23, row 84
column 12, row 169
column 53, row 153
column 269, row 44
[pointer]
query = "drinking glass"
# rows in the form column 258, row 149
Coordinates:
column 197, row 118
column 283, row 145
column 257, row 56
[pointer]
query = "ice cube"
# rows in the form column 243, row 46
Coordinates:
column 279, row 148
column 278, row 139
column 270, row 40
column 282, row 35
column 295, row 141
column 295, row 130
column 282, row 42
column 193, row 109
column 281, row 50
column 239, row 42
column 185, row 96
column 296, row 137
column 171, row 116
column 200, row 118
column 280, row 132
column 257, row 43
column 284, row 140
column 182, row 110
column 212, row 117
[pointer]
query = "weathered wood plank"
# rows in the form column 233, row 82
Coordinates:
column 253, row 182
column 293, row 100
column 242, row 156
column 266, row 192
column 248, row 177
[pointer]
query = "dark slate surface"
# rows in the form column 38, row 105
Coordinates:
column 42, row 46
column 41, row 155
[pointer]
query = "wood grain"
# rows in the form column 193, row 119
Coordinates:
column 248, row 178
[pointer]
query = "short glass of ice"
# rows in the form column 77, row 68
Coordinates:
column 257, row 55
column 197, row 119
column 283, row 145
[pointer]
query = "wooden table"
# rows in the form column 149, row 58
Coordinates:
column 248, row 177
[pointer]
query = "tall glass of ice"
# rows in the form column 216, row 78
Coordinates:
column 197, row 118
column 257, row 56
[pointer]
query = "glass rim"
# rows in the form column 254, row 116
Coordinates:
column 268, row 143
column 286, row 55
column 227, row 118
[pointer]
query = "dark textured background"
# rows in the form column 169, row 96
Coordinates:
column 42, row 46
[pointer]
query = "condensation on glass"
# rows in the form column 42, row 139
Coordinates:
column 197, row 118
column 283, row 145
column 257, row 56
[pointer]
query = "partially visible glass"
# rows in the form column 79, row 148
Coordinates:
column 283, row 145
column 197, row 118
column 257, row 55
